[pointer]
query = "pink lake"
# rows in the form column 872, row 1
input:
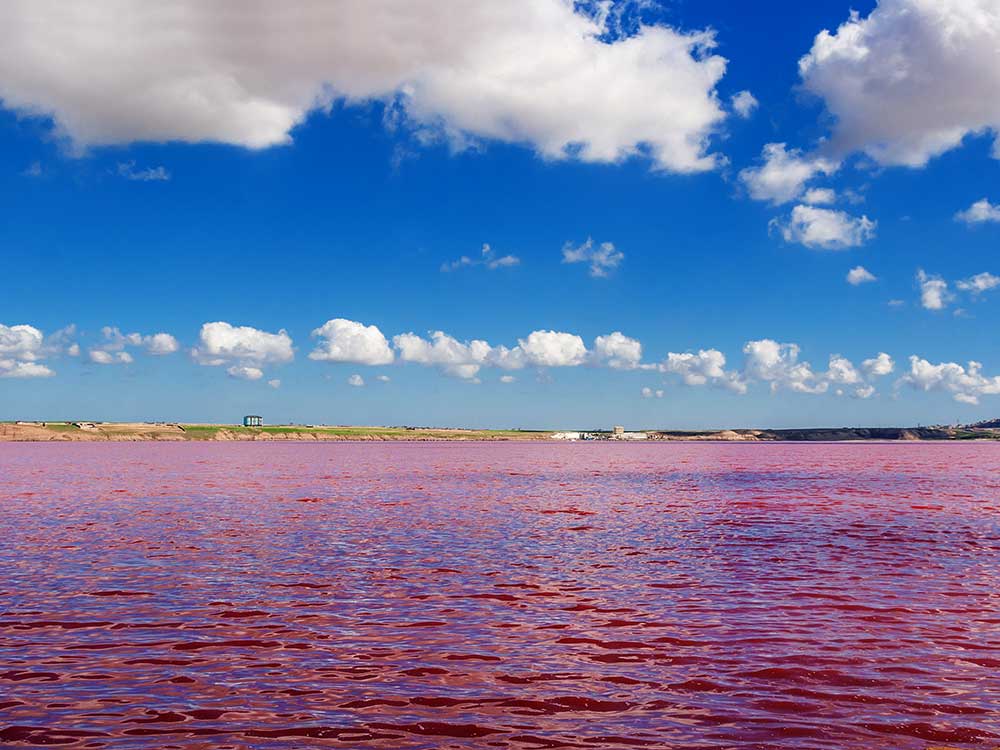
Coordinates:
column 500, row 595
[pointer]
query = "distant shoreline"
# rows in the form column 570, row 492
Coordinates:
column 179, row 432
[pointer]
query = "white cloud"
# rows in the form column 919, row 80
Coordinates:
column 22, row 342
column 934, row 294
column 879, row 365
column 507, row 379
column 602, row 258
column 349, row 341
column 911, row 80
column 539, row 349
column 455, row 358
column 965, row 384
column 980, row 212
column 825, row 228
column 650, row 393
column 842, row 371
column 245, row 349
column 744, row 104
column 128, row 171
column 981, row 282
column 103, row 357
column 20, row 348
column 778, row 364
column 487, row 258
column 545, row 73
column 783, row 175
column 553, row 349
column 356, row 380
column 112, row 351
column 383, row 378
column 618, row 351
column 12, row 368
column 819, row 196
column 245, row 372
column 160, row 344
column 704, row 368
column 860, row 275
column 863, row 392
column 274, row 383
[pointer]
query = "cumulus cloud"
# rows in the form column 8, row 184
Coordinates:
column 980, row 212
column 487, row 258
column 744, row 104
column 464, row 359
column 112, row 350
column 842, row 371
column 618, row 351
column 356, row 380
column 783, row 175
column 707, row 367
column 274, row 383
column 102, row 357
column 981, row 282
column 860, row 275
column 546, row 73
column 778, row 365
column 965, row 384
column 878, row 365
column 553, row 349
column 349, row 341
column 60, row 342
column 650, row 393
column 910, row 80
column 160, row 343
column 21, row 346
column 824, row 228
column 11, row 368
column 455, row 358
column 243, row 348
column 383, row 378
column 245, row 372
column 819, row 196
column 863, row 392
column 934, row 294
column 507, row 379
column 602, row 258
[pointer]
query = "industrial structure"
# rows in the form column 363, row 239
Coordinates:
column 253, row 420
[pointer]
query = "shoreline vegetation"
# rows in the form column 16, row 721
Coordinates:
column 23, row 431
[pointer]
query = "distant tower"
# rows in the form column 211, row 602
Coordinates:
column 253, row 420
column 618, row 430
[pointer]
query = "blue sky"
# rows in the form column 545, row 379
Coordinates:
column 141, row 199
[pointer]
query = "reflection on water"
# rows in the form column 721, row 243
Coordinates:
column 500, row 595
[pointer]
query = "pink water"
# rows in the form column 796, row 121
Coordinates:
column 500, row 595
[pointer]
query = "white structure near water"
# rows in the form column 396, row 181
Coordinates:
column 617, row 433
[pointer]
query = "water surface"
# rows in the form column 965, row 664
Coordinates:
column 500, row 595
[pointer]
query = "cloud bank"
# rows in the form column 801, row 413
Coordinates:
column 545, row 73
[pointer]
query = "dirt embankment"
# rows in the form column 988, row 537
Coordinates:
column 142, row 432
column 89, row 431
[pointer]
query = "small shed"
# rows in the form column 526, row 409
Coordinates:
column 253, row 420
